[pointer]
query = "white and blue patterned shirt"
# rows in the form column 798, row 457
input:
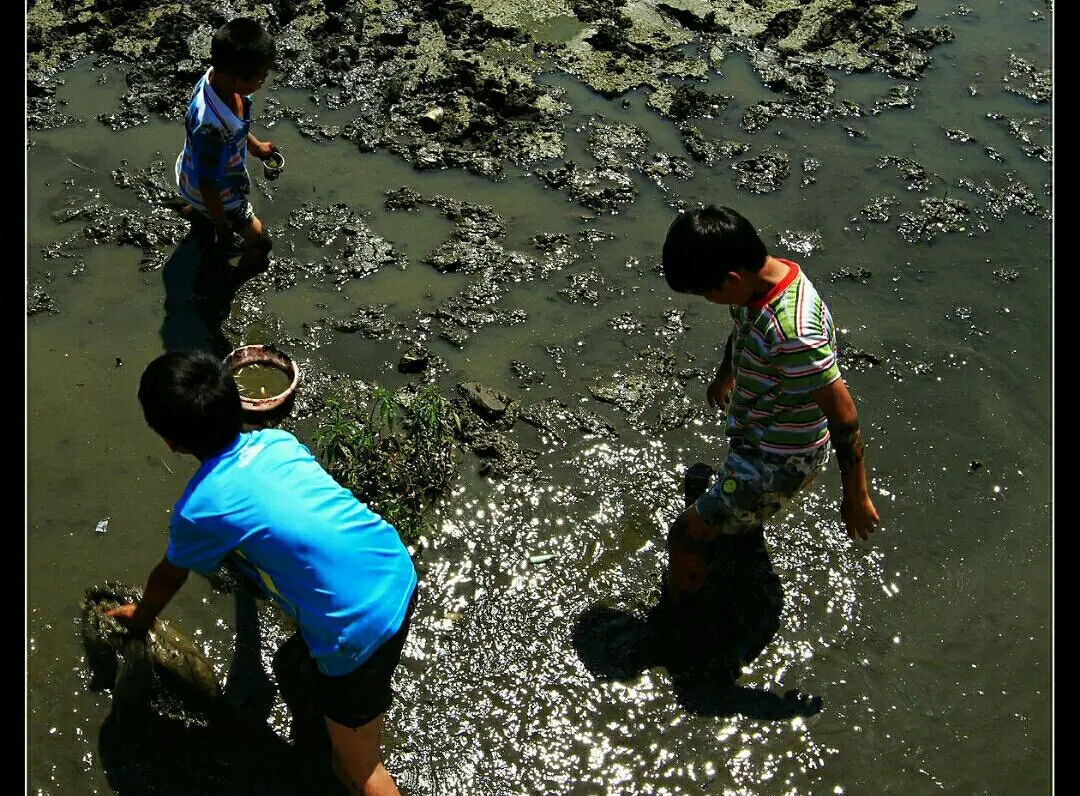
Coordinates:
column 215, row 147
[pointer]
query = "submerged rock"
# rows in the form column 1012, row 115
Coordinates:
column 173, row 729
column 162, row 672
column 491, row 404
column 415, row 359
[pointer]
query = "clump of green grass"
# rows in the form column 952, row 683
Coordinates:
column 395, row 454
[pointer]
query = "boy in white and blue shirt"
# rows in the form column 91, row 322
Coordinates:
column 211, row 172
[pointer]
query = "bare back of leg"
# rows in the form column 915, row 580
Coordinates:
column 256, row 245
column 357, row 759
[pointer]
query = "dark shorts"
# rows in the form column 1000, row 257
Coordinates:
column 238, row 217
column 354, row 699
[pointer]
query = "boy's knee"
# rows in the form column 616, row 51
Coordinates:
column 261, row 243
column 356, row 748
column 690, row 525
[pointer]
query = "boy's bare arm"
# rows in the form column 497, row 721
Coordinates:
column 164, row 581
column 211, row 196
column 724, row 379
column 260, row 149
column 856, row 508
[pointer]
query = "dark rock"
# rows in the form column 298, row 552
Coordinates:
column 414, row 360
column 489, row 403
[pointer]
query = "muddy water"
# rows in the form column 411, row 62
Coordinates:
column 262, row 381
column 930, row 645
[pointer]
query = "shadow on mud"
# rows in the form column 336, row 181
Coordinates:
column 200, row 285
column 157, row 744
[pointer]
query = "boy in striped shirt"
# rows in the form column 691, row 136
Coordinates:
column 211, row 172
column 787, row 404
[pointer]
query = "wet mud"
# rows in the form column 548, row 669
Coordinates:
column 163, row 671
column 173, row 727
column 449, row 85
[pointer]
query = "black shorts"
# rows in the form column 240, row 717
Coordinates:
column 356, row 698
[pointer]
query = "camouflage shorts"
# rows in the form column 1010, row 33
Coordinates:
column 751, row 487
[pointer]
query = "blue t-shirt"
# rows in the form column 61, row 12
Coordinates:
column 330, row 562
column 215, row 147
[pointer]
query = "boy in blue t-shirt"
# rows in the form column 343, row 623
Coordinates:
column 211, row 171
column 261, row 499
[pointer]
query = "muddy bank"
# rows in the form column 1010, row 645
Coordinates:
column 648, row 394
column 450, row 85
column 453, row 85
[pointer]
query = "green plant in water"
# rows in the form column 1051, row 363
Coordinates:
column 396, row 457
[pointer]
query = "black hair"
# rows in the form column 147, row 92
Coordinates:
column 241, row 47
column 191, row 399
column 703, row 245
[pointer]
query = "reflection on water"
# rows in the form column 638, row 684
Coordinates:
column 502, row 631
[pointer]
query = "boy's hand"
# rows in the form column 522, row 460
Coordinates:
column 261, row 149
column 718, row 392
column 859, row 515
column 164, row 581
column 127, row 616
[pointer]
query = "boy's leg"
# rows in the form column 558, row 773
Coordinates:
column 256, row 256
column 356, row 758
column 354, row 707
column 696, row 480
column 748, row 491
column 688, row 545
column 721, row 600
column 213, row 258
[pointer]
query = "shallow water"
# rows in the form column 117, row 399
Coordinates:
column 262, row 381
column 930, row 645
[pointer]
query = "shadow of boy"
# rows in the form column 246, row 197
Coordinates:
column 705, row 641
column 200, row 287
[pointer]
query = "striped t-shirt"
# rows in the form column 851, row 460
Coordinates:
column 215, row 146
column 783, row 347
